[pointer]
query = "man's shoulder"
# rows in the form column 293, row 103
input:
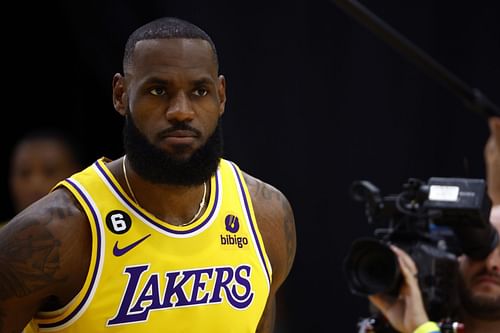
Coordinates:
column 275, row 218
column 257, row 187
column 268, row 201
column 260, row 189
column 55, row 209
column 270, row 204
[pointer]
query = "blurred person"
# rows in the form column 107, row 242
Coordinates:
column 169, row 237
column 479, row 286
column 480, row 282
column 492, row 162
column 39, row 160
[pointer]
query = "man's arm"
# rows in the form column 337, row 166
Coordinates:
column 276, row 222
column 406, row 312
column 44, row 256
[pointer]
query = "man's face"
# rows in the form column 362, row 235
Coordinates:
column 480, row 283
column 174, row 93
column 36, row 167
column 173, row 100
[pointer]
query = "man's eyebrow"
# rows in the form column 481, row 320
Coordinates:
column 202, row 81
column 165, row 82
column 157, row 80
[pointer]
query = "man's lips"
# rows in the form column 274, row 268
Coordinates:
column 180, row 133
column 179, row 137
column 487, row 279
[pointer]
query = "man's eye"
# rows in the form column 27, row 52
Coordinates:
column 157, row 91
column 201, row 92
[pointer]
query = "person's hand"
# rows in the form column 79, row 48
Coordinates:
column 406, row 312
column 492, row 160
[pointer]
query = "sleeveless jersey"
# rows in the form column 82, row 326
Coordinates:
column 146, row 275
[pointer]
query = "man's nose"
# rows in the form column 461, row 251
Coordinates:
column 180, row 108
column 493, row 260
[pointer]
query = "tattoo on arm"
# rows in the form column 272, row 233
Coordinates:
column 30, row 255
column 265, row 191
column 269, row 193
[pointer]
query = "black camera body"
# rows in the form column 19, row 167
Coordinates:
column 434, row 222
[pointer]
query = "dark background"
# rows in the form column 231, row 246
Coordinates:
column 315, row 101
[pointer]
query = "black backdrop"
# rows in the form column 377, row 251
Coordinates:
column 315, row 101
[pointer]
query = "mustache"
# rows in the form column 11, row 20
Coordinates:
column 494, row 275
column 178, row 127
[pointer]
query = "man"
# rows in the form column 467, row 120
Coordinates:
column 40, row 160
column 479, row 279
column 480, row 283
column 170, row 237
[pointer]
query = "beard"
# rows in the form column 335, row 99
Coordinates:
column 161, row 167
column 484, row 307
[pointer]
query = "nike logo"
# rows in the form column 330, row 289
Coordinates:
column 121, row 251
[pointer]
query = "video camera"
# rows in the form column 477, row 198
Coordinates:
column 434, row 223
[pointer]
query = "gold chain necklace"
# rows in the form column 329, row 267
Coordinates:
column 196, row 215
column 126, row 179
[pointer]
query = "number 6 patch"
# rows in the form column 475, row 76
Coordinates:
column 118, row 221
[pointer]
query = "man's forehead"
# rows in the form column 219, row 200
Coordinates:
column 170, row 55
column 176, row 49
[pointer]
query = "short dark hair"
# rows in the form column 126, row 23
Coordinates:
column 54, row 135
column 165, row 27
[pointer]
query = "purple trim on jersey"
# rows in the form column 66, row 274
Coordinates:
column 96, row 268
column 252, row 225
column 149, row 220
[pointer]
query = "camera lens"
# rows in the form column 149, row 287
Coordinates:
column 371, row 267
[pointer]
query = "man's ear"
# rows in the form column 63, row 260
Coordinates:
column 221, row 91
column 120, row 98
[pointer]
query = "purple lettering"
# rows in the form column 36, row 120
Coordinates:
column 123, row 316
column 230, row 284
column 224, row 275
column 150, row 296
column 174, row 288
column 244, row 300
column 199, row 286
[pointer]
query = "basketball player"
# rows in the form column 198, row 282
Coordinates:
column 479, row 279
column 170, row 237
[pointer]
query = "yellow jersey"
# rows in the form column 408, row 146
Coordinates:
column 147, row 275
